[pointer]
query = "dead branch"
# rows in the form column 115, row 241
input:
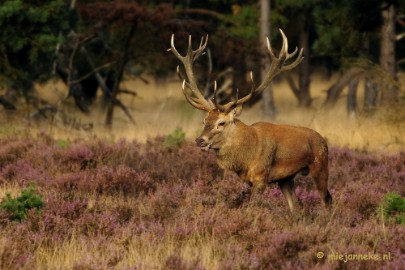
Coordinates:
column 94, row 71
column 293, row 86
column 100, row 80
column 336, row 89
column 211, row 13
column 7, row 104
column 126, row 111
column 128, row 92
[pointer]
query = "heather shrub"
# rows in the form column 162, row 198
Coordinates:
column 166, row 200
column 131, row 205
column 121, row 179
column 16, row 255
column 11, row 150
column 393, row 208
column 167, row 164
column 17, row 208
column 77, row 157
column 232, row 191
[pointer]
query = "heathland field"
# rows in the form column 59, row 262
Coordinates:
column 144, row 197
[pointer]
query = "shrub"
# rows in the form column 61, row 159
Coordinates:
column 393, row 208
column 17, row 208
column 175, row 139
column 63, row 143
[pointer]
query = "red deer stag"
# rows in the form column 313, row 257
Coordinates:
column 263, row 152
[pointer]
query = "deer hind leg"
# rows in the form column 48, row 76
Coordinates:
column 287, row 188
column 319, row 174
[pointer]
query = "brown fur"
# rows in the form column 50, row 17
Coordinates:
column 263, row 152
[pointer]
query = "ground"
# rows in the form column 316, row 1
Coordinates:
column 126, row 199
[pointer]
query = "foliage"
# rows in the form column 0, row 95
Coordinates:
column 245, row 20
column 115, row 19
column 177, row 138
column 131, row 205
column 347, row 30
column 63, row 143
column 17, row 208
column 393, row 208
column 27, row 56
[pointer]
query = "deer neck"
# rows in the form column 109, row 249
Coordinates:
column 238, row 148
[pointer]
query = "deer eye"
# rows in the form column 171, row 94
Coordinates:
column 221, row 124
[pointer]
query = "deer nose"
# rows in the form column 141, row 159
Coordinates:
column 199, row 141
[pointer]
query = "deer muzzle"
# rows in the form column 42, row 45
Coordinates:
column 202, row 143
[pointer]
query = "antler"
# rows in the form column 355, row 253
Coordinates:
column 278, row 64
column 196, row 98
column 232, row 104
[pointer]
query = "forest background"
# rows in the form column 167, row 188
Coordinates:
column 98, row 169
column 114, row 55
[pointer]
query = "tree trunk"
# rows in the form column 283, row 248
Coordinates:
column 269, row 107
column 336, row 89
column 389, row 91
column 120, row 73
column 370, row 96
column 304, row 97
column 352, row 97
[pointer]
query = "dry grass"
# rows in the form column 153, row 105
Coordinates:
column 11, row 188
column 159, row 109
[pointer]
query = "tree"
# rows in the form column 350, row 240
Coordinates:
column 356, row 36
column 302, row 14
column 346, row 41
column 27, row 56
column 121, row 23
column 389, row 93
column 269, row 107
column 304, row 69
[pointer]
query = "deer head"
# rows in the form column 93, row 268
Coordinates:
column 220, row 120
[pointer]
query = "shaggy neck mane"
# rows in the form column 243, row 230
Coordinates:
column 240, row 136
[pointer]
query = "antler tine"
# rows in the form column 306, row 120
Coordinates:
column 198, row 100
column 223, row 108
column 232, row 104
column 290, row 55
column 284, row 47
column 173, row 48
column 296, row 62
column 269, row 49
column 248, row 96
column 278, row 64
column 200, row 50
column 215, row 93
column 203, row 43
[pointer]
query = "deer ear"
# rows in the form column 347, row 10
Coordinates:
column 236, row 112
